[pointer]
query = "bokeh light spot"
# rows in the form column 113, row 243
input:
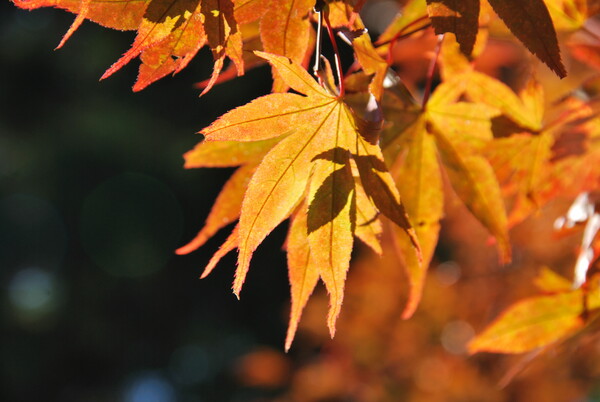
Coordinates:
column 149, row 387
column 32, row 291
column 447, row 273
column 456, row 335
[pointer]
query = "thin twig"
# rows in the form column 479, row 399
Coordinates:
column 338, row 60
column 431, row 70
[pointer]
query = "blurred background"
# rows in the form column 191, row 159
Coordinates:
column 93, row 202
column 96, row 307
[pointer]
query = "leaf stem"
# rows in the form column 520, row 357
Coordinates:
column 338, row 60
column 405, row 33
column 431, row 70
column 317, row 65
column 392, row 42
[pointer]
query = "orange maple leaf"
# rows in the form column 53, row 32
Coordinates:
column 169, row 33
column 310, row 174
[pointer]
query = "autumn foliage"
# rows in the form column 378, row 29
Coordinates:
column 439, row 107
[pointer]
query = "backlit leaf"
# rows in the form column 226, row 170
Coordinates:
column 371, row 62
column 485, row 89
column 231, row 243
column 461, row 17
column 368, row 226
column 549, row 281
column 530, row 22
column 227, row 153
column 420, row 184
column 381, row 189
column 461, row 131
column 331, row 218
column 246, row 11
column 412, row 16
column 285, row 30
column 303, row 271
column 168, row 21
column 116, row 14
column 532, row 323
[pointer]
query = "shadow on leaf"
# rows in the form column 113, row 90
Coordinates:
column 332, row 195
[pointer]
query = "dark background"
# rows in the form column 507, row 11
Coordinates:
column 93, row 202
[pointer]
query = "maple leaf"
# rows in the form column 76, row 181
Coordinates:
column 540, row 320
column 530, row 22
column 303, row 272
column 226, row 208
column 461, row 17
column 420, row 183
column 532, row 323
column 450, row 135
column 247, row 11
column 285, row 30
column 567, row 15
column 461, row 132
column 576, row 151
column 541, row 159
column 170, row 32
column 413, row 16
column 370, row 61
column 116, row 14
column 312, row 162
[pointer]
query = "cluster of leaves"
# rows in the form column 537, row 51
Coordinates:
column 346, row 156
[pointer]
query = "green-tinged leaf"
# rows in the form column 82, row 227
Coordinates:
column 420, row 184
column 331, row 220
column 550, row 282
column 226, row 208
column 474, row 181
column 533, row 98
column 302, row 270
column 567, row 15
column 400, row 119
column 482, row 88
column 532, row 323
column 461, row 17
column 448, row 92
column 521, row 163
column 592, row 292
column 452, row 60
column 413, row 16
column 469, row 123
column 530, row 22
column 371, row 62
